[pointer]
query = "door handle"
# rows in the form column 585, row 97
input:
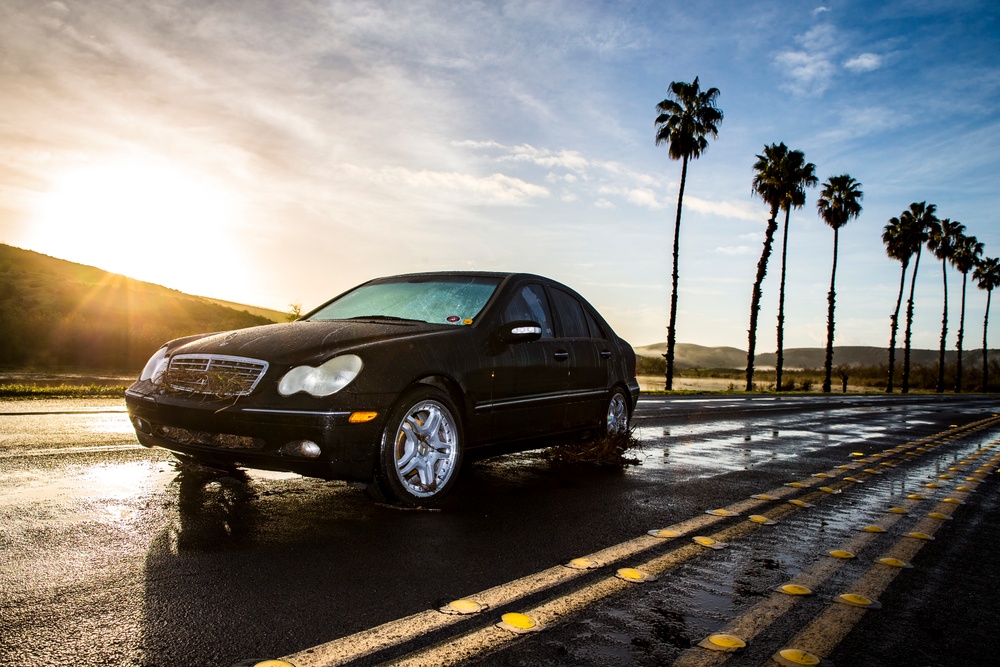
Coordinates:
column 605, row 354
column 561, row 355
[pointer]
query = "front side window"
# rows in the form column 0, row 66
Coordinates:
column 530, row 303
column 452, row 300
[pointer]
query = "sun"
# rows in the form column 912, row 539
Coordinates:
column 148, row 219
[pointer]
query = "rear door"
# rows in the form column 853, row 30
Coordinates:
column 588, row 363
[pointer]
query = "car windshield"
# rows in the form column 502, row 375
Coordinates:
column 436, row 299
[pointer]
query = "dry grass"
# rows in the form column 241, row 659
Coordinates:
column 605, row 451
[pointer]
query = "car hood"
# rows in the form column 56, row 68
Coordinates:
column 303, row 342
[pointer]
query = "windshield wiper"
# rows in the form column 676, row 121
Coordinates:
column 383, row 318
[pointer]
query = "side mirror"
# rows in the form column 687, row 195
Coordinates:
column 522, row 331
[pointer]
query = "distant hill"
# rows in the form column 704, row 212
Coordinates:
column 687, row 355
column 56, row 314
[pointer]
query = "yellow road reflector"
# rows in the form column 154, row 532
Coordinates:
column 582, row 564
column 953, row 501
column 633, row 575
column 916, row 496
column 463, row 607
column 963, row 488
column 796, row 485
column 841, row 553
column 898, row 510
column 946, row 476
column 822, row 475
column 722, row 642
column 827, row 489
column 887, row 464
column 917, row 535
column 709, row 542
column 721, row 513
column 939, row 516
column 794, row 589
column 664, row 533
column 893, row 562
column 799, row 503
column 872, row 529
column 855, row 600
column 273, row 663
column 518, row 623
column 761, row 519
column 857, row 454
column 790, row 657
column 933, row 485
column 844, row 467
column 764, row 496
column 853, row 479
column 872, row 471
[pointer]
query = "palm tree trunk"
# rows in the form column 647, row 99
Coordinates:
column 894, row 326
column 944, row 328
column 961, row 336
column 909, row 327
column 831, row 298
column 772, row 226
column 780, row 355
column 986, row 364
column 671, row 328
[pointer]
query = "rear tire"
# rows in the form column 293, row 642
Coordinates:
column 421, row 449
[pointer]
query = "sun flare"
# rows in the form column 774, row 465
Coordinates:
column 150, row 220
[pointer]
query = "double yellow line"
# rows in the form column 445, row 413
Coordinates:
column 813, row 641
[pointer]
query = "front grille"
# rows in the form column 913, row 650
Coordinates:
column 214, row 374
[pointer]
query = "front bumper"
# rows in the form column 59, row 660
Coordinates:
column 251, row 434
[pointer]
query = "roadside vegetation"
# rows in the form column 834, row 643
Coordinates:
column 18, row 390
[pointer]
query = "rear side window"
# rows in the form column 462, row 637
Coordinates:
column 529, row 303
column 572, row 318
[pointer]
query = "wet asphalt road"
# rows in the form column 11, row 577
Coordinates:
column 113, row 555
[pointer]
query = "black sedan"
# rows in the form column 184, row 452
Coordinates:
column 392, row 383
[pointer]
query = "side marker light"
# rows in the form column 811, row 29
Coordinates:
column 361, row 417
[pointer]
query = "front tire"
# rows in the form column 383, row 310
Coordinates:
column 421, row 449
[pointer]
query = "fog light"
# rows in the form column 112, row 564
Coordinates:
column 142, row 425
column 306, row 448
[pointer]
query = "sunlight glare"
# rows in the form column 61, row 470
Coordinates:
column 149, row 220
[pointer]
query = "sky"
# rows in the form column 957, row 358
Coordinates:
column 283, row 151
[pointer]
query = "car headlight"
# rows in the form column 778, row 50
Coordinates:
column 328, row 378
column 155, row 366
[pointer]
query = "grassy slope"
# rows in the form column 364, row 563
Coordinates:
column 56, row 314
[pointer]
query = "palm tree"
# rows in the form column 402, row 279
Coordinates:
column 967, row 252
column 917, row 219
column 686, row 118
column 941, row 240
column 901, row 243
column 780, row 180
column 987, row 277
column 839, row 203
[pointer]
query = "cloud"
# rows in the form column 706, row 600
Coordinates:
column 733, row 250
column 866, row 62
column 496, row 189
